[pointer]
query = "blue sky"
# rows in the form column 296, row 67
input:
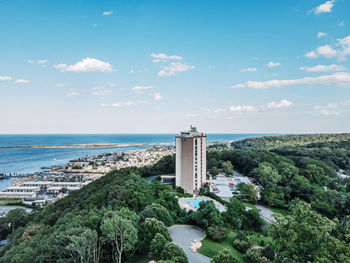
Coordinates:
column 159, row 66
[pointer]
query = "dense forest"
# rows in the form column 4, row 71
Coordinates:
column 295, row 167
column 120, row 217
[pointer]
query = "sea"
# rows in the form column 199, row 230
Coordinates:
column 18, row 161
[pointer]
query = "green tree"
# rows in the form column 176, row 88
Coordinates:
column 242, row 242
column 82, row 245
column 214, row 171
column 207, row 215
column 148, row 230
column 255, row 255
column 4, row 227
column 306, row 236
column 121, row 232
column 16, row 218
column 248, row 193
column 157, row 246
column 224, row 256
column 268, row 174
column 269, row 252
column 315, row 174
column 217, row 233
column 273, row 195
column 227, row 167
column 253, row 220
column 159, row 212
column 234, row 213
column 174, row 253
column 212, row 162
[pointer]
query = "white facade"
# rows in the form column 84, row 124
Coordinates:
column 191, row 160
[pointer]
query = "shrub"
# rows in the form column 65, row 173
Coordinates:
column 224, row 256
column 241, row 245
column 241, row 242
column 255, row 255
column 217, row 233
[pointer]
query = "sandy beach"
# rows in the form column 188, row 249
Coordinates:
column 104, row 145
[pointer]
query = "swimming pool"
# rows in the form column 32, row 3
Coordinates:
column 195, row 202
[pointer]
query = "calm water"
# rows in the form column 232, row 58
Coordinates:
column 31, row 160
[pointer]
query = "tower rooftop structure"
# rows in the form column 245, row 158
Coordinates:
column 191, row 133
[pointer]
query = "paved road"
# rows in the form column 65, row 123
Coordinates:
column 266, row 213
column 183, row 235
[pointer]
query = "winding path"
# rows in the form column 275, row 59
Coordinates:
column 183, row 235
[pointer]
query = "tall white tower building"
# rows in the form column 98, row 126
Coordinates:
column 191, row 160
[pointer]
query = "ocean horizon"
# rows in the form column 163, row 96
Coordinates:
column 30, row 160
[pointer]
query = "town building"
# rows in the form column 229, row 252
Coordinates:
column 191, row 160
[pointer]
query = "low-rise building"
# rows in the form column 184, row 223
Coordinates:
column 16, row 195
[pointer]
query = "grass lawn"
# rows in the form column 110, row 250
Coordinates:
column 211, row 248
column 280, row 211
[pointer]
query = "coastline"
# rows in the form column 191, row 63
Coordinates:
column 94, row 145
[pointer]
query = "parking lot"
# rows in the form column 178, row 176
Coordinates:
column 225, row 186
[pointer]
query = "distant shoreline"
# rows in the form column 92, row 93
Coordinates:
column 94, row 145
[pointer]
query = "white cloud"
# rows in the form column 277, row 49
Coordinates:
column 131, row 71
column 330, row 108
column 220, row 110
column 273, row 64
column 341, row 79
column 73, row 94
column 324, row 68
column 321, row 34
column 22, row 81
column 101, row 92
column 329, row 112
column 341, row 23
column 192, row 115
column 60, row 85
column 163, row 56
column 86, row 65
column 157, row 60
column 326, row 51
column 129, row 103
column 345, row 103
column 280, row 104
column 311, row 54
column 248, row 69
column 329, row 52
column 41, row 62
column 345, row 45
column 242, row 109
column 157, row 96
column 107, row 13
column 174, row 68
column 324, row 8
column 5, row 78
column 141, row 89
